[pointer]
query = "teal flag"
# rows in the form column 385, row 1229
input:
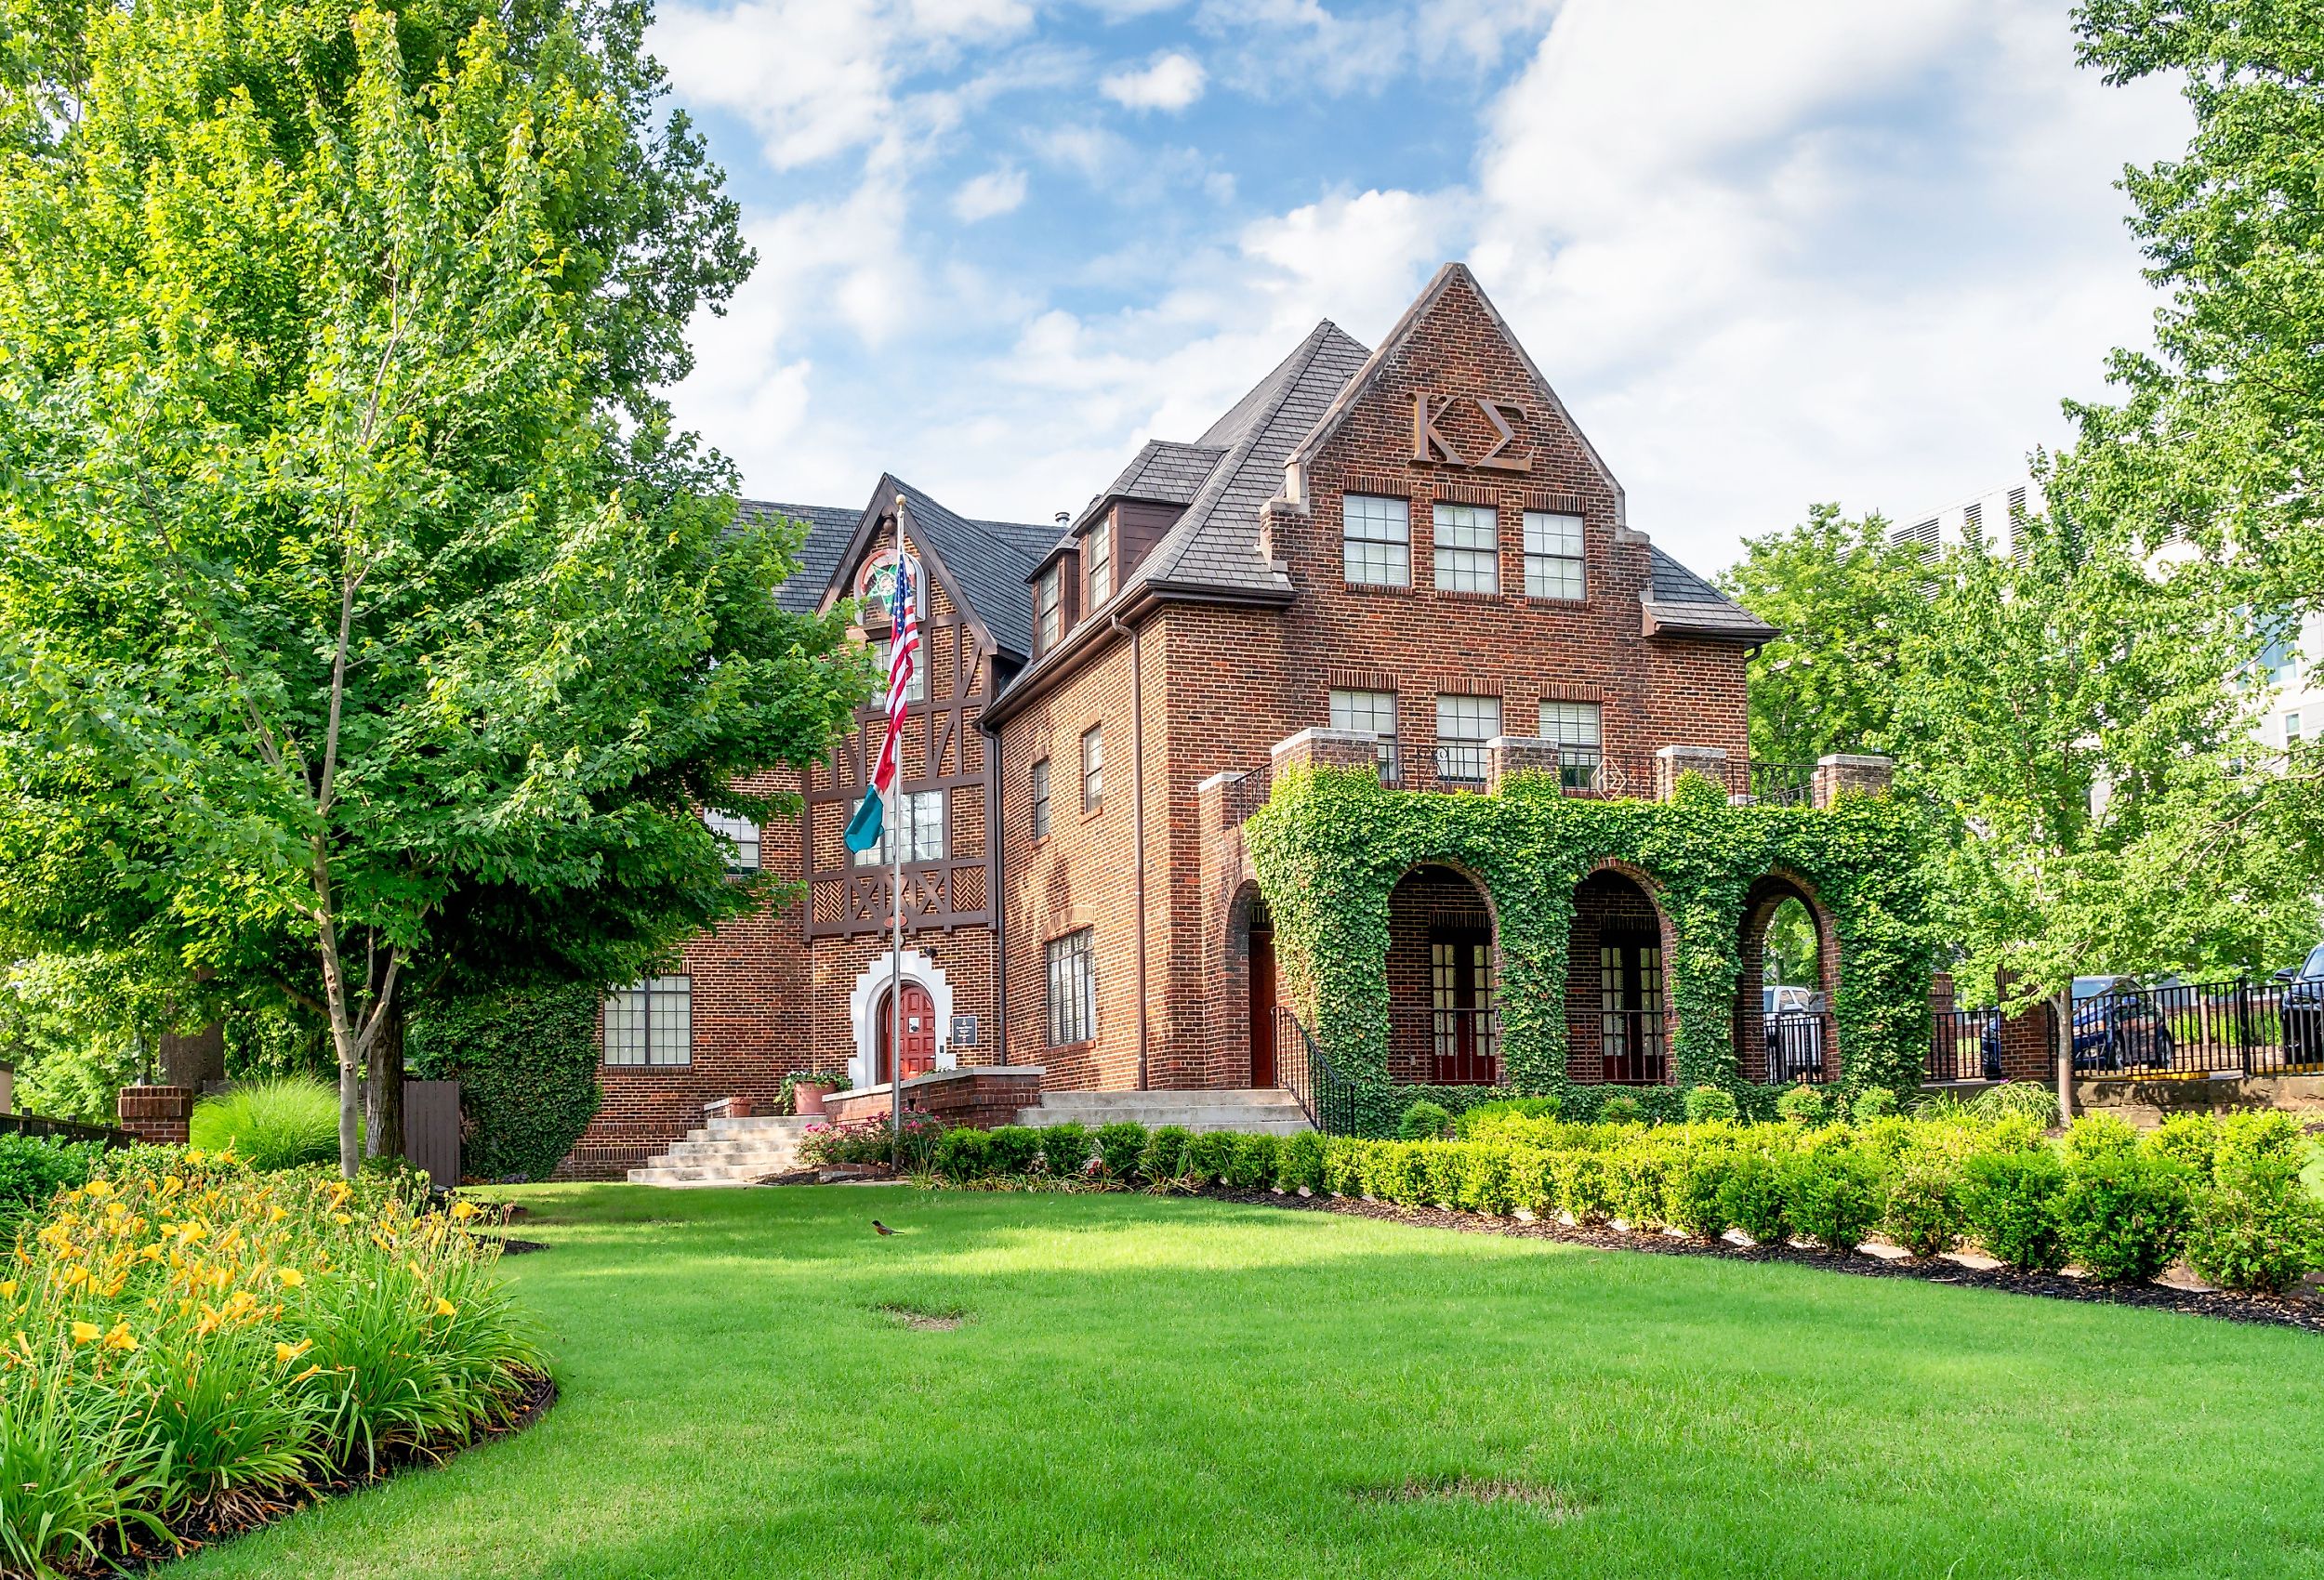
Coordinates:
column 863, row 829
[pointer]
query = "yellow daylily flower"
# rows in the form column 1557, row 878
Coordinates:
column 291, row 1276
column 193, row 1154
column 121, row 1338
column 463, row 1210
column 100, row 1188
column 7, row 1289
column 86, row 1333
column 445, row 1308
column 342, row 1218
column 286, row 1354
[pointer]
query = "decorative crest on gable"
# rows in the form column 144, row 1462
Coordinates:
column 1429, row 443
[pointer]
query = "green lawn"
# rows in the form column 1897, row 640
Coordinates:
column 1179, row 1389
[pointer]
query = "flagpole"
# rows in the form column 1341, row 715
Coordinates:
column 895, row 889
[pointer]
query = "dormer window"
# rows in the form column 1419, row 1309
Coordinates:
column 1100, row 555
column 1049, row 608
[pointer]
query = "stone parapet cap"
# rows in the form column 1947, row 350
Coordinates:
column 1311, row 738
column 1220, row 781
column 1856, row 759
column 1692, row 754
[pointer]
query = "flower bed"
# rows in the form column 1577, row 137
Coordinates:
column 2224, row 1193
column 192, row 1344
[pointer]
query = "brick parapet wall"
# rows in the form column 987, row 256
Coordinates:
column 1672, row 762
column 158, row 1115
column 983, row 1097
column 1862, row 772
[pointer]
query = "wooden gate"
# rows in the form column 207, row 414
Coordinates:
column 431, row 1130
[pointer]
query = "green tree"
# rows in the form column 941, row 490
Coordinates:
column 1845, row 600
column 354, row 593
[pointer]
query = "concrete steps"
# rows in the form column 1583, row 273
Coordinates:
column 727, row 1152
column 1251, row 1111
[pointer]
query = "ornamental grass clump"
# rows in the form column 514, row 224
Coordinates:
column 188, row 1336
column 273, row 1123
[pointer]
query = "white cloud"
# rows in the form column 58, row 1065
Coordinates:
column 1172, row 82
column 988, row 197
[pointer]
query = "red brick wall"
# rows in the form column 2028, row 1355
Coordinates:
column 982, row 1098
column 157, row 1115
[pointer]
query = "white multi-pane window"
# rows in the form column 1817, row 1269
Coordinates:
column 919, row 822
column 1579, row 730
column 1041, row 799
column 744, row 835
column 1073, row 990
column 651, row 1022
column 2291, row 729
column 1376, row 533
column 1092, row 768
column 916, row 689
column 1553, row 555
column 1369, row 713
column 1468, row 548
column 1101, row 554
column 1463, row 725
column 1049, row 607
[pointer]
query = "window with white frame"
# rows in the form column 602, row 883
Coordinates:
column 1073, row 990
column 651, row 1022
column 1093, row 767
column 1468, row 548
column 1553, row 555
column 1049, row 607
column 919, row 822
column 1463, row 725
column 2291, row 729
column 1100, row 555
column 1369, row 713
column 1041, row 799
column 742, row 833
column 916, row 689
column 1375, row 540
column 1579, row 730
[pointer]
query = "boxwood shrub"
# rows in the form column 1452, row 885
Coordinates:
column 1832, row 1195
column 2122, row 1213
column 2010, row 1201
column 1165, row 1157
column 2256, row 1226
column 1121, row 1148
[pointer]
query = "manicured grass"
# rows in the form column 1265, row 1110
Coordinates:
column 1176, row 1389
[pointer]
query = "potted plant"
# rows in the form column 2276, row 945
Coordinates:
column 804, row 1091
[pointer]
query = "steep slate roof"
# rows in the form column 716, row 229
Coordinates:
column 1170, row 473
column 1677, row 599
column 1215, row 544
column 988, row 562
column 828, row 529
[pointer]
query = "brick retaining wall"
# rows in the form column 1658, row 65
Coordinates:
column 983, row 1096
column 157, row 1115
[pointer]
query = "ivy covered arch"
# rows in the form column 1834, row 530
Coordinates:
column 1331, row 843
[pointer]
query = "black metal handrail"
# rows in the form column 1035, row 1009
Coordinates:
column 1302, row 1070
column 64, row 1130
column 1247, row 795
column 1780, row 783
column 1799, row 1050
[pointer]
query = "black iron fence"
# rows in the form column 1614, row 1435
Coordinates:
column 63, row 1130
column 1447, row 1048
column 1965, row 1045
column 1799, row 1050
column 1302, row 1070
column 1586, row 772
column 1247, row 795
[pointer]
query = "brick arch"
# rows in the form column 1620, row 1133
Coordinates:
column 1760, row 904
column 1615, row 899
column 1444, row 947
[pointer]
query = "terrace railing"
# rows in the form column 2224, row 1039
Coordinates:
column 63, row 1130
column 1302, row 1070
column 1964, row 1045
column 1799, row 1048
column 1450, row 1047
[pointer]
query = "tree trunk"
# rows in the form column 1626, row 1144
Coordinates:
column 2062, row 1032
column 383, row 1086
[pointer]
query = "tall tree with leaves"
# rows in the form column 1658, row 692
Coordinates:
column 352, row 588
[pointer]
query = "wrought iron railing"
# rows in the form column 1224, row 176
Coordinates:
column 1247, row 795
column 1633, row 1048
column 2198, row 1029
column 1300, row 1068
column 1799, row 1050
column 1779, row 783
column 1964, row 1045
column 63, row 1130
column 1445, row 1047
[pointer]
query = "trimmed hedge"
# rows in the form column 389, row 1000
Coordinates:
column 527, row 1067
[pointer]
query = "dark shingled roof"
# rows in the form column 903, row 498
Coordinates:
column 828, row 529
column 1677, row 599
column 1170, row 473
column 987, row 561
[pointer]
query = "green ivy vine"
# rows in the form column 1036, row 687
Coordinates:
column 1331, row 843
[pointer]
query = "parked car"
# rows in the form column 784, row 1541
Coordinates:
column 1794, row 1019
column 2116, row 1026
column 2302, row 1003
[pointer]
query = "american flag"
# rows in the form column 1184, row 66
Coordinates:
column 903, row 656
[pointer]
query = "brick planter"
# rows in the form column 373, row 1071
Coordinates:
column 155, row 1113
column 983, row 1096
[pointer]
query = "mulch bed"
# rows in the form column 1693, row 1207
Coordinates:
column 2299, row 1310
column 239, row 1514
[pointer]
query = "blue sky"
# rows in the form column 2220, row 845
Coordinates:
column 1768, row 251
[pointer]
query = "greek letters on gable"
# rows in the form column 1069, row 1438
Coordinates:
column 1431, row 444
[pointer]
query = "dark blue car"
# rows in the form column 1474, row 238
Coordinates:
column 2116, row 1027
column 2303, row 1004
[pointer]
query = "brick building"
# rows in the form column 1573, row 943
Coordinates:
column 1413, row 548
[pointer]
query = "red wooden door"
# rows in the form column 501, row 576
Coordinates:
column 1263, row 1000
column 919, row 1033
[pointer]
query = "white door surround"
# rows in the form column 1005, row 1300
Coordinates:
column 863, row 1005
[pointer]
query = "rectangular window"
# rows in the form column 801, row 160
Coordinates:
column 1371, row 713
column 651, row 1022
column 1100, row 555
column 919, row 822
column 2291, row 729
column 1092, row 768
column 1375, row 540
column 1577, row 728
column 1468, row 548
column 1041, row 799
column 743, row 834
column 1073, row 990
column 1553, row 555
column 916, row 689
column 1049, row 607
column 1463, row 725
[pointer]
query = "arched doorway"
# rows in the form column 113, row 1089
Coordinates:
column 1444, row 1016
column 1262, row 967
column 1783, row 1026
column 1616, row 1004
column 919, row 1033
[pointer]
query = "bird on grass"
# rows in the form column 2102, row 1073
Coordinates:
column 881, row 1227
